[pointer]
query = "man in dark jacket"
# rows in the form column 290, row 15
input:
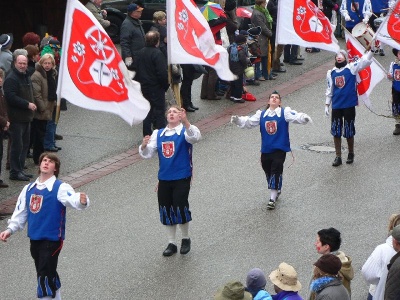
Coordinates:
column 131, row 34
column 152, row 74
column 392, row 287
column 20, row 106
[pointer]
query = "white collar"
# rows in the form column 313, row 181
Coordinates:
column 178, row 129
column 277, row 111
column 48, row 183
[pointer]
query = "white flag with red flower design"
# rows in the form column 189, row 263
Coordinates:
column 302, row 23
column 369, row 77
column 389, row 31
column 190, row 40
column 92, row 73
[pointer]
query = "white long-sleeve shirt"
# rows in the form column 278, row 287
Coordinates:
column 375, row 268
column 291, row 116
column 66, row 195
column 192, row 136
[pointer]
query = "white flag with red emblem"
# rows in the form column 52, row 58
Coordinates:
column 190, row 40
column 302, row 23
column 92, row 73
column 389, row 31
column 369, row 77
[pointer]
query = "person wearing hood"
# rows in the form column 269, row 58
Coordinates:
column 326, row 282
column 256, row 283
column 328, row 242
column 341, row 92
column 6, row 57
column 285, row 283
column 375, row 268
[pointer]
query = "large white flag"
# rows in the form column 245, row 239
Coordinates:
column 92, row 73
column 368, row 77
column 190, row 40
column 302, row 23
column 389, row 31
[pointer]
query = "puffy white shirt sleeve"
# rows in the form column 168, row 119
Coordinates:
column 367, row 9
column 329, row 87
column 361, row 64
column 343, row 9
column 292, row 116
column 249, row 121
column 66, row 195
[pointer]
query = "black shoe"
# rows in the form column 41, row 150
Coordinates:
column 19, row 177
column 194, row 107
column 285, row 61
column 185, row 246
column 52, row 149
column 274, row 74
column 295, row 63
column 337, row 161
column 3, row 185
column 27, row 175
column 58, row 137
column 59, row 148
column 350, row 158
column 271, row 204
column 220, row 93
column 189, row 109
column 171, row 250
column 280, row 70
column 272, row 77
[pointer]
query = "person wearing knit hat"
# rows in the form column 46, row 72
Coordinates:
column 233, row 290
column 6, row 57
column 341, row 93
column 392, row 286
column 393, row 75
column 273, row 123
column 285, row 282
column 326, row 283
column 256, row 282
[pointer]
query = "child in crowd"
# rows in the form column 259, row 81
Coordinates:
column 256, row 283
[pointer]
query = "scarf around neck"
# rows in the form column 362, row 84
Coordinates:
column 319, row 283
column 266, row 13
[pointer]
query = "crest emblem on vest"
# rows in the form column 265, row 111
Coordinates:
column 35, row 203
column 396, row 74
column 168, row 149
column 339, row 81
column 271, row 127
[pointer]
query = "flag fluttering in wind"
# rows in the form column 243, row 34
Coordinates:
column 370, row 76
column 389, row 31
column 301, row 22
column 190, row 40
column 92, row 73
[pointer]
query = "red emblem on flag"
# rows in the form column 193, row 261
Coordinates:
column 393, row 23
column 365, row 74
column 93, row 59
column 35, row 203
column 271, row 127
column 168, row 149
column 310, row 23
column 188, row 30
column 339, row 81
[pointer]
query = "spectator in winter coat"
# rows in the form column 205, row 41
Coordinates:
column 256, row 284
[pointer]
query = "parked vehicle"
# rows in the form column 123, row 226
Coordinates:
column 116, row 13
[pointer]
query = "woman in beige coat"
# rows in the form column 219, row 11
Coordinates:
column 44, row 92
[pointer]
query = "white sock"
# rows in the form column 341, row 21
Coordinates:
column 185, row 230
column 58, row 295
column 274, row 193
column 171, row 233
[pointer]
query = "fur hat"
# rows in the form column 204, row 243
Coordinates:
column 134, row 7
column 6, row 40
column 330, row 263
column 232, row 290
column 255, row 280
column 240, row 39
column 285, row 278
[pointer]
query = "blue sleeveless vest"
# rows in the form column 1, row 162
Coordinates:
column 274, row 133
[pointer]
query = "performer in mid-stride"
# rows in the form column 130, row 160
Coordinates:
column 174, row 145
column 43, row 205
column 341, row 92
column 274, row 127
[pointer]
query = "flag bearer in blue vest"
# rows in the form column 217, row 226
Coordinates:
column 274, row 127
column 43, row 205
column 174, row 146
column 394, row 76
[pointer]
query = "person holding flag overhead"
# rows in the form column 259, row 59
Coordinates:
column 341, row 92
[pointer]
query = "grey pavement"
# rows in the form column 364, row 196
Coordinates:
column 113, row 250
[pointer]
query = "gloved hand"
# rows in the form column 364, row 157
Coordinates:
column 326, row 111
column 235, row 120
column 347, row 18
column 365, row 20
column 128, row 61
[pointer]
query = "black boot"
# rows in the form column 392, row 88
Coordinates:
column 171, row 250
column 337, row 161
column 350, row 158
column 185, row 246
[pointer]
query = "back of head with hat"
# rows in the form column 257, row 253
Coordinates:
column 396, row 233
column 329, row 264
column 285, row 278
column 240, row 39
column 6, row 41
column 233, row 290
column 255, row 280
column 134, row 7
